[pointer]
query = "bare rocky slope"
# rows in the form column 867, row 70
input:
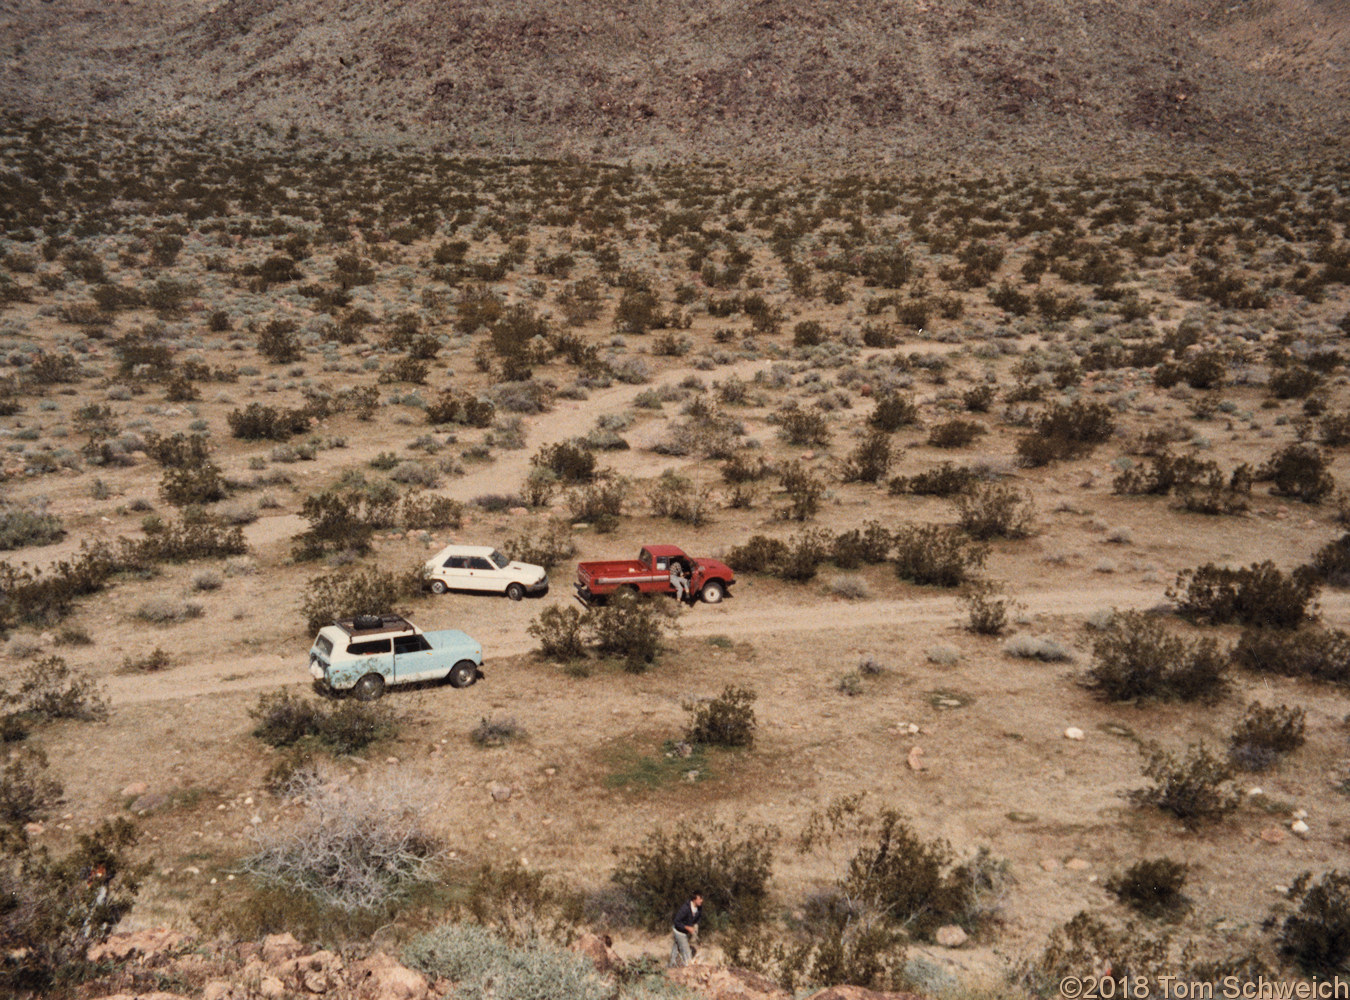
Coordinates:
column 903, row 80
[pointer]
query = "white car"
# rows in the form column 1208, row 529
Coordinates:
column 481, row 567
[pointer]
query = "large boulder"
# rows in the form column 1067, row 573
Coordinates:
column 278, row 948
column 145, row 945
column 859, row 993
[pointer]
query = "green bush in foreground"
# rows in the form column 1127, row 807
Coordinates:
column 482, row 965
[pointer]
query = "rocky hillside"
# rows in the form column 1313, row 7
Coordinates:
column 833, row 79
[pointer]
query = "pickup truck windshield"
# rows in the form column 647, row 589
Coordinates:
column 499, row 560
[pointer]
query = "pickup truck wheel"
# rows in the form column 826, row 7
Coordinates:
column 368, row 688
column 515, row 591
column 463, row 673
column 712, row 592
column 438, row 587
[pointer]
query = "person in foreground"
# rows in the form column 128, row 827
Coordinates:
column 686, row 927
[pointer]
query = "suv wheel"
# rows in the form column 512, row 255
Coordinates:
column 463, row 673
column 368, row 688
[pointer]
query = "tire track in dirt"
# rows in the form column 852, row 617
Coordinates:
column 735, row 619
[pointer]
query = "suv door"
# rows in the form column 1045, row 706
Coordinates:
column 414, row 659
column 370, row 656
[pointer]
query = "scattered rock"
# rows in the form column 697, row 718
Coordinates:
column 717, row 983
column 1299, row 827
column 219, row 989
column 1272, row 835
column 1077, row 865
column 134, row 789
column 33, row 829
column 499, row 792
column 271, row 988
column 148, row 802
column 1049, row 864
column 951, row 936
column 915, row 764
column 1074, row 733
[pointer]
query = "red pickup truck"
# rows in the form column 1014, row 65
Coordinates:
column 649, row 573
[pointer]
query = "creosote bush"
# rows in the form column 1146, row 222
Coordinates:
column 1264, row 734
column 1316, row 936
column 731, row 867
column 284, row 719
column 369, row 591
column 725, row 721
column 561, row 632
column 1312, row 651
column 629, row 626
column 1152, row 887
column 994, row 510
column 1298, row 471
column 484, row 963
column 1259, row 595
column 1196, row 789
column 1135, row 657
column 937, row 555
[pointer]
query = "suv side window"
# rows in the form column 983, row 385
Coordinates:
column 479, row 563
column 369, row 648
column 411, row 644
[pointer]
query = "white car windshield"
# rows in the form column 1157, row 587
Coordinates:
column 499, row 560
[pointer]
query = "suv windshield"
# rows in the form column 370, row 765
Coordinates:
column 324, row 645
column 499, row 560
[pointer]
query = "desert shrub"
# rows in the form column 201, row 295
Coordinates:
column 994, row 510
column 675, row 496
column 955, row 433
column 1197, row 788
column 1298, row 471
column 1331, row 562
column 284, row 719
column 987, row 609
column 1316, row 936
column 548, row 548
column 893, row 411
column 570, row 461
column 870, row 544
column 600, row 502
column 841, row 949
column 730, row 867
column 166, row 611
column 484, row 964
column 1164, row 472
column 805, row 552
column 1259, row 595
column 898, row 876
column 560, row 631
column 338, row 522
column 1312, row 652
column 495, row 732
column 148, row 663
column 421, row 509
column 804, row 492
column 193, row 485
column 56, row 908
column 1211, row 495
column 21, row 527
column 27, row 792
column 936, row 554
column 354, row 847
column 1265, row 734
column 277, row 342
column 943, row 480
column 369, row 591
column 1294, row 382
column 177, row 451
column 1038, row 647
column 49, row 689
column 1151, row 887
column 1066, row 431
column 194, row 536
column 1135, row 657
column 257, row 422
column 630, row 627
column 725, row 721
column 869, row 460
column 1088, row 941
column 759, row 554
column 803, row 426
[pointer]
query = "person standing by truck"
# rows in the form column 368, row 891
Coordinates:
column 679, row 581
column 686, row 927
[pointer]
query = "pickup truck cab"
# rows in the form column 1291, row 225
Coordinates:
column 366, row 654
column 649, row 573
column 482, row 568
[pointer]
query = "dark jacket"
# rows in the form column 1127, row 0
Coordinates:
column 686, row 917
